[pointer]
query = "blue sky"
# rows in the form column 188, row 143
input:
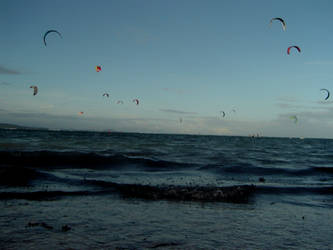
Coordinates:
column 181, row 59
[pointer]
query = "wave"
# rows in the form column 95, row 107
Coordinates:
column 21, row 176
column 294, row 190
column 17, row 176
column 250, row 169
column 235, row 194
column 76, row 159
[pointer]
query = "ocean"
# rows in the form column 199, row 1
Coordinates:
column 104, row 190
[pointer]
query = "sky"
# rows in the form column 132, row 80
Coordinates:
column 184, row 60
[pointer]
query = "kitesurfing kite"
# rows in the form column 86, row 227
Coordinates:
column 328, row 93
column 222, row 113
column 81, row 113
column 281, row 20
column 35, row 89
column 106, row 94
column 294, row 117
column 48, row 32
column 98, row 68
column 296, row 47
column 120, row 102
column 136, row 101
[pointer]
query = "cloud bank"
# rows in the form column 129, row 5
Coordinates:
column 4, row 70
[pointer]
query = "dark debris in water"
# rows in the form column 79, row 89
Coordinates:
column 237, row 194
column 164, row 244
column 262, row 179
column 42, row 224
column 65, row 228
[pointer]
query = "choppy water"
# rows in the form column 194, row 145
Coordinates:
column 78, row 179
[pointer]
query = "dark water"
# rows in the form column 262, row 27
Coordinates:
column 86, row 190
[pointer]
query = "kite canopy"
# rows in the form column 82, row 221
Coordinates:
column 222, row 113
column 81, row 113
column 48, row 32
column 281, row 20
column 294, row 117
column 296, row 47
column 98, row 68
column 106, row 94
column 328, row 93
column 136, row 101
column 35, row 89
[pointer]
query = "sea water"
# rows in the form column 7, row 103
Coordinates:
column 64, row 189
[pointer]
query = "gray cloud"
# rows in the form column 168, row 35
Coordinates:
column 319, row 63
column 178, row 112
column 304, row 107
column 5, row 83
column 178, row 91
column 287, row 99
column 311, row 123
column 325, row 102
column 4, row 70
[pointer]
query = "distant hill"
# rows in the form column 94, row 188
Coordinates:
column 14, row 126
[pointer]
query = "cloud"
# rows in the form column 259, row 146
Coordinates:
column 178, row 112
column 306, row 107
column 319, row 63
column 288, row 99
column 47, row 106
column 311, row 123
column 293, row 106
column 5, row 83
column 4, row 70
column 205, row 125
column 178, row 91
column 325, row 102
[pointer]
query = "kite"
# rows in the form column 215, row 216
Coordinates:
column 48, row 32
column 281, row 20
column 98, row 68
column 288, row 50
column 81, row 113
column 294, row 117
column 120, row 102
column 35, row 89
column 106, row 94
column 136, row 101
column 222, row 113
column 328, row 93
